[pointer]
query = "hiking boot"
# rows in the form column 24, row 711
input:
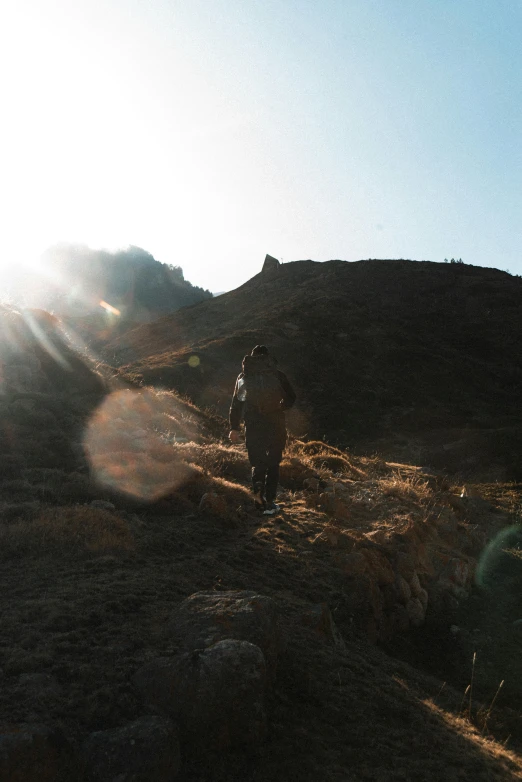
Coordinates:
column 271, row 509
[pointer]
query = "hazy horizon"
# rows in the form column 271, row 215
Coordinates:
column 212, row 135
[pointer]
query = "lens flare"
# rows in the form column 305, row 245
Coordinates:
column 112, row 310
column 43, row 338
column 496, row 563
column 194, row 361
column 130, row 443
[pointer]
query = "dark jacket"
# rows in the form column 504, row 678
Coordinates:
column 239, row 410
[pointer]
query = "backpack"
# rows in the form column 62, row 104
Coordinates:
column 261, row 384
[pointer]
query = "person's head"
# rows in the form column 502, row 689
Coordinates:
column 259, row 350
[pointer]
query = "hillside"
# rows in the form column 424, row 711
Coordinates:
column 414, row 359
column 155, row 627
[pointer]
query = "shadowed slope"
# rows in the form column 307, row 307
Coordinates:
column 392, row 349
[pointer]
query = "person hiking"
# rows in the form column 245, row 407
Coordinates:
column 261, row 395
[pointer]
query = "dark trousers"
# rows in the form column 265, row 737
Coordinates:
column 265, row 441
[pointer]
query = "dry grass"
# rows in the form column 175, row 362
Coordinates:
column 318, row 457
column 406, row 487
column 217, row 460
column 67, row 531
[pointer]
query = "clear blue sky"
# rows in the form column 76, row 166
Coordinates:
column 211, row 132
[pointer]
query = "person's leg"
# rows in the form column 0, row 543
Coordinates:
column 259, row 479
column 272, row 479
column 257, row 456
column 274, row 456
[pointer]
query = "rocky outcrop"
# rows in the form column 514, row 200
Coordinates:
column 270, row 266
column 215, row 688
column 216, row 695
column 205, row 618
column 400, row 579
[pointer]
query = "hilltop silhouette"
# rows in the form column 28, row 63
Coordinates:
column 389, row 354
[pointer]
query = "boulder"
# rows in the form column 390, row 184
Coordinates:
column 207, row 617
column 217, row 695
column 147, row 750
column 31, row 753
